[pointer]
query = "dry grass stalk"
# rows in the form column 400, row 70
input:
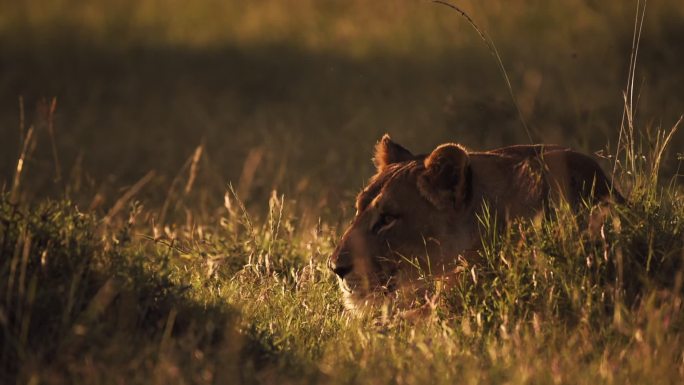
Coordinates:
column 51, row 131
column 28, row 146
column 249, row 169
column 194, row 167
column 130, row 193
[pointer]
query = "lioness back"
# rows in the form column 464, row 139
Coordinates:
column 421, row 211
column 541, row 174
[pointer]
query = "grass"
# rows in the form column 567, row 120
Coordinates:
column 127, row 257
column 242, row 302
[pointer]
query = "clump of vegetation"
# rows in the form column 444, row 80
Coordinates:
column 82, row 304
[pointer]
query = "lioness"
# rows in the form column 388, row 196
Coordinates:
column 420, row 212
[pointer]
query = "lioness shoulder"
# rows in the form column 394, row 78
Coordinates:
column 422, row 210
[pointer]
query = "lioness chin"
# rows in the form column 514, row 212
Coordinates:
column 419, row 213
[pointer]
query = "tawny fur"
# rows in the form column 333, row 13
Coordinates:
column 420, row 212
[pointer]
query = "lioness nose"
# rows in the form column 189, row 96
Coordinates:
column 339, row 263
column 341, row 271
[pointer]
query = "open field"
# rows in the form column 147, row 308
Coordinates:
column 187, row 167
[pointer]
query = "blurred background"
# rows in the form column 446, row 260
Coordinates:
column 292, row 94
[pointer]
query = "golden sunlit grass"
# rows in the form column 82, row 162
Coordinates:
column 128, row 256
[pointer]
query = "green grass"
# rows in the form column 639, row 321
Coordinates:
column 244, row 302
column 174, row 211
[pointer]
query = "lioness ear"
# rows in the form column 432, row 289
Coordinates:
column 445, row 181
column 388, row 152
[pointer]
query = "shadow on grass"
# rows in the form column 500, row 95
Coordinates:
column 76, row 306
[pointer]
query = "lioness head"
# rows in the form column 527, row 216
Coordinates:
column 411, row 219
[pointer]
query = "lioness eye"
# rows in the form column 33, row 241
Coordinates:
column 384, row 222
